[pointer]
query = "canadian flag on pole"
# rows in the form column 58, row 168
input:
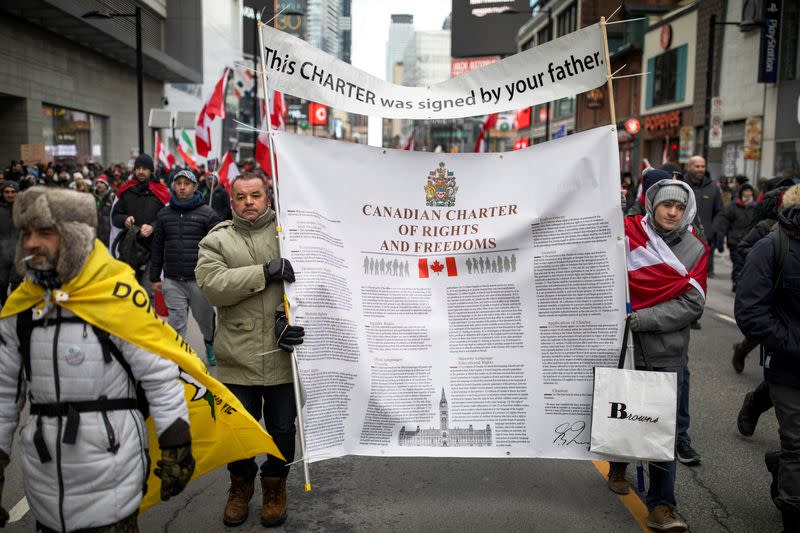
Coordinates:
column 215, row 107
column 202, row 132
column 480, row 143
column 227, row 171
column 426, row 266
column 162, row 154
column 276, row 117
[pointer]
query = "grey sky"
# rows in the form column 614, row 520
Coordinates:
column 371, row 20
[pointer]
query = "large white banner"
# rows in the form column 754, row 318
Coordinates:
column 564, row 67
column 454, row 304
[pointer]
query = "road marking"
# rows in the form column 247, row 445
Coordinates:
column 18, row 511
column 631, row 501
column 725, row 317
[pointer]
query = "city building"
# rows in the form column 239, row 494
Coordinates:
column 221, row 22
column 70, row 82
column 323, row 25
column 401, row 31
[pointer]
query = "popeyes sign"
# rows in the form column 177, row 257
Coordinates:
column 663, row 121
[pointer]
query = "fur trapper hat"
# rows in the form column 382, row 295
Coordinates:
column 791, row 197
column 72, row 213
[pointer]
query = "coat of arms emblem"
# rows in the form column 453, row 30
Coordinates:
column 441, row 188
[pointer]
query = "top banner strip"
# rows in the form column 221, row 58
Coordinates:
column 565, row 67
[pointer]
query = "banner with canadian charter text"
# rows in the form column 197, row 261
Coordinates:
column 454, row 304
column 564, row 67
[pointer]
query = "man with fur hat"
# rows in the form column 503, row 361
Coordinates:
column 140, row 200
column 84, row 445
column 667, row 278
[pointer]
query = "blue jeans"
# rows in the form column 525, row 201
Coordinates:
column 277, row 404
column 662, row 475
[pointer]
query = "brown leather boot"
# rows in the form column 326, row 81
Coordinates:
column 273, row 508
column 239, row 495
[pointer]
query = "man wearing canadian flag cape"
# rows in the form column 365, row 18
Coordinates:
column 667, row 278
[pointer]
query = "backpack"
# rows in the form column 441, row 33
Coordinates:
column 111, row 352
column 127, row 248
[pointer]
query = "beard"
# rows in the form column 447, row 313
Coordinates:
column 41, row 259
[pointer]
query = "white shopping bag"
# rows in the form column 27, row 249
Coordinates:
column 633, row 414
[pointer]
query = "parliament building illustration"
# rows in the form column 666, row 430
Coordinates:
column 445, row 436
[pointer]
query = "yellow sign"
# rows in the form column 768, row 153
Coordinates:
column 107, row 295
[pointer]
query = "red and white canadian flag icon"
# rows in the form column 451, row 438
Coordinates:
column 426, row 266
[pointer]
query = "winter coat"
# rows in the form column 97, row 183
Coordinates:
column 8, row 243
column 100, row 487
column 709, row 205
column 141, row 204
column 772, row 317
column 180, row 226
column 661, row 332
column 736, row 221
column 230, row 272
column 221, row 203
column 104, row 204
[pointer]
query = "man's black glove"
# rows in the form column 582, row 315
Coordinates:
column 4, row 460
column 278, row 269
column 287, row 336
column 175, row 470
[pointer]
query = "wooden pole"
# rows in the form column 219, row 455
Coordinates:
column 278, row 228
column 611, row 105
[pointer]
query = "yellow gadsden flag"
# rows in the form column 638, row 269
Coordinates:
column 107, row 295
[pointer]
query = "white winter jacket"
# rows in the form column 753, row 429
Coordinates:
column 85, row 484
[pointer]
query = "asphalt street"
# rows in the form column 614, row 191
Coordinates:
column 729, row 491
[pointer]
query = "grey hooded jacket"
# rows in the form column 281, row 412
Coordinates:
column 661, row 332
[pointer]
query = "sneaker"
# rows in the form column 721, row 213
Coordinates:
column 748, row 416
column 210, row 357
column 664, row 518
column 738, row 358
column 687, row 455
column 617, row 482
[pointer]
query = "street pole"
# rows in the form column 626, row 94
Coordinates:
column 712, row 25
column 550, row 37
column 139, row 79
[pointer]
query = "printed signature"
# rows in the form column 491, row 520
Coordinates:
column 569, row 433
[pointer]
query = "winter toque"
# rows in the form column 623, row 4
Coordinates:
column 653, row 175
column 673, row 192
column 188, row 174
column 145, row 161
column 72, row 213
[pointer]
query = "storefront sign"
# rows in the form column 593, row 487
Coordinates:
column 662, row 121
column 594, row 98
column 666, row 36
column 632, row 126
column 770, row 37
column 686, row 144
column 462, row 66
column 715, row 128
column 752, row 138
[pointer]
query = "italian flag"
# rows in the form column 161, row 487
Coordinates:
column 186, row 149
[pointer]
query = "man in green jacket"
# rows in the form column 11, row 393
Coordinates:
column 240, row 271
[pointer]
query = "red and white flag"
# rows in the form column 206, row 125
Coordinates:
column 202, row 132
column 276, row 117
column 426, row 267
column 655, row 274
column 215, row 106
column 410, row 143
column 489, row 123
column 162, row 154
column 227, row 171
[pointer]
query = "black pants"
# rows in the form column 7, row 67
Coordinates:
column 787, row 410
column 737, row 260
column 276, row 402
column 761, row 399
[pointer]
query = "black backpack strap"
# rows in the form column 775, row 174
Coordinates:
column 780, row 243
column 24, row 331
column 111, row 351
